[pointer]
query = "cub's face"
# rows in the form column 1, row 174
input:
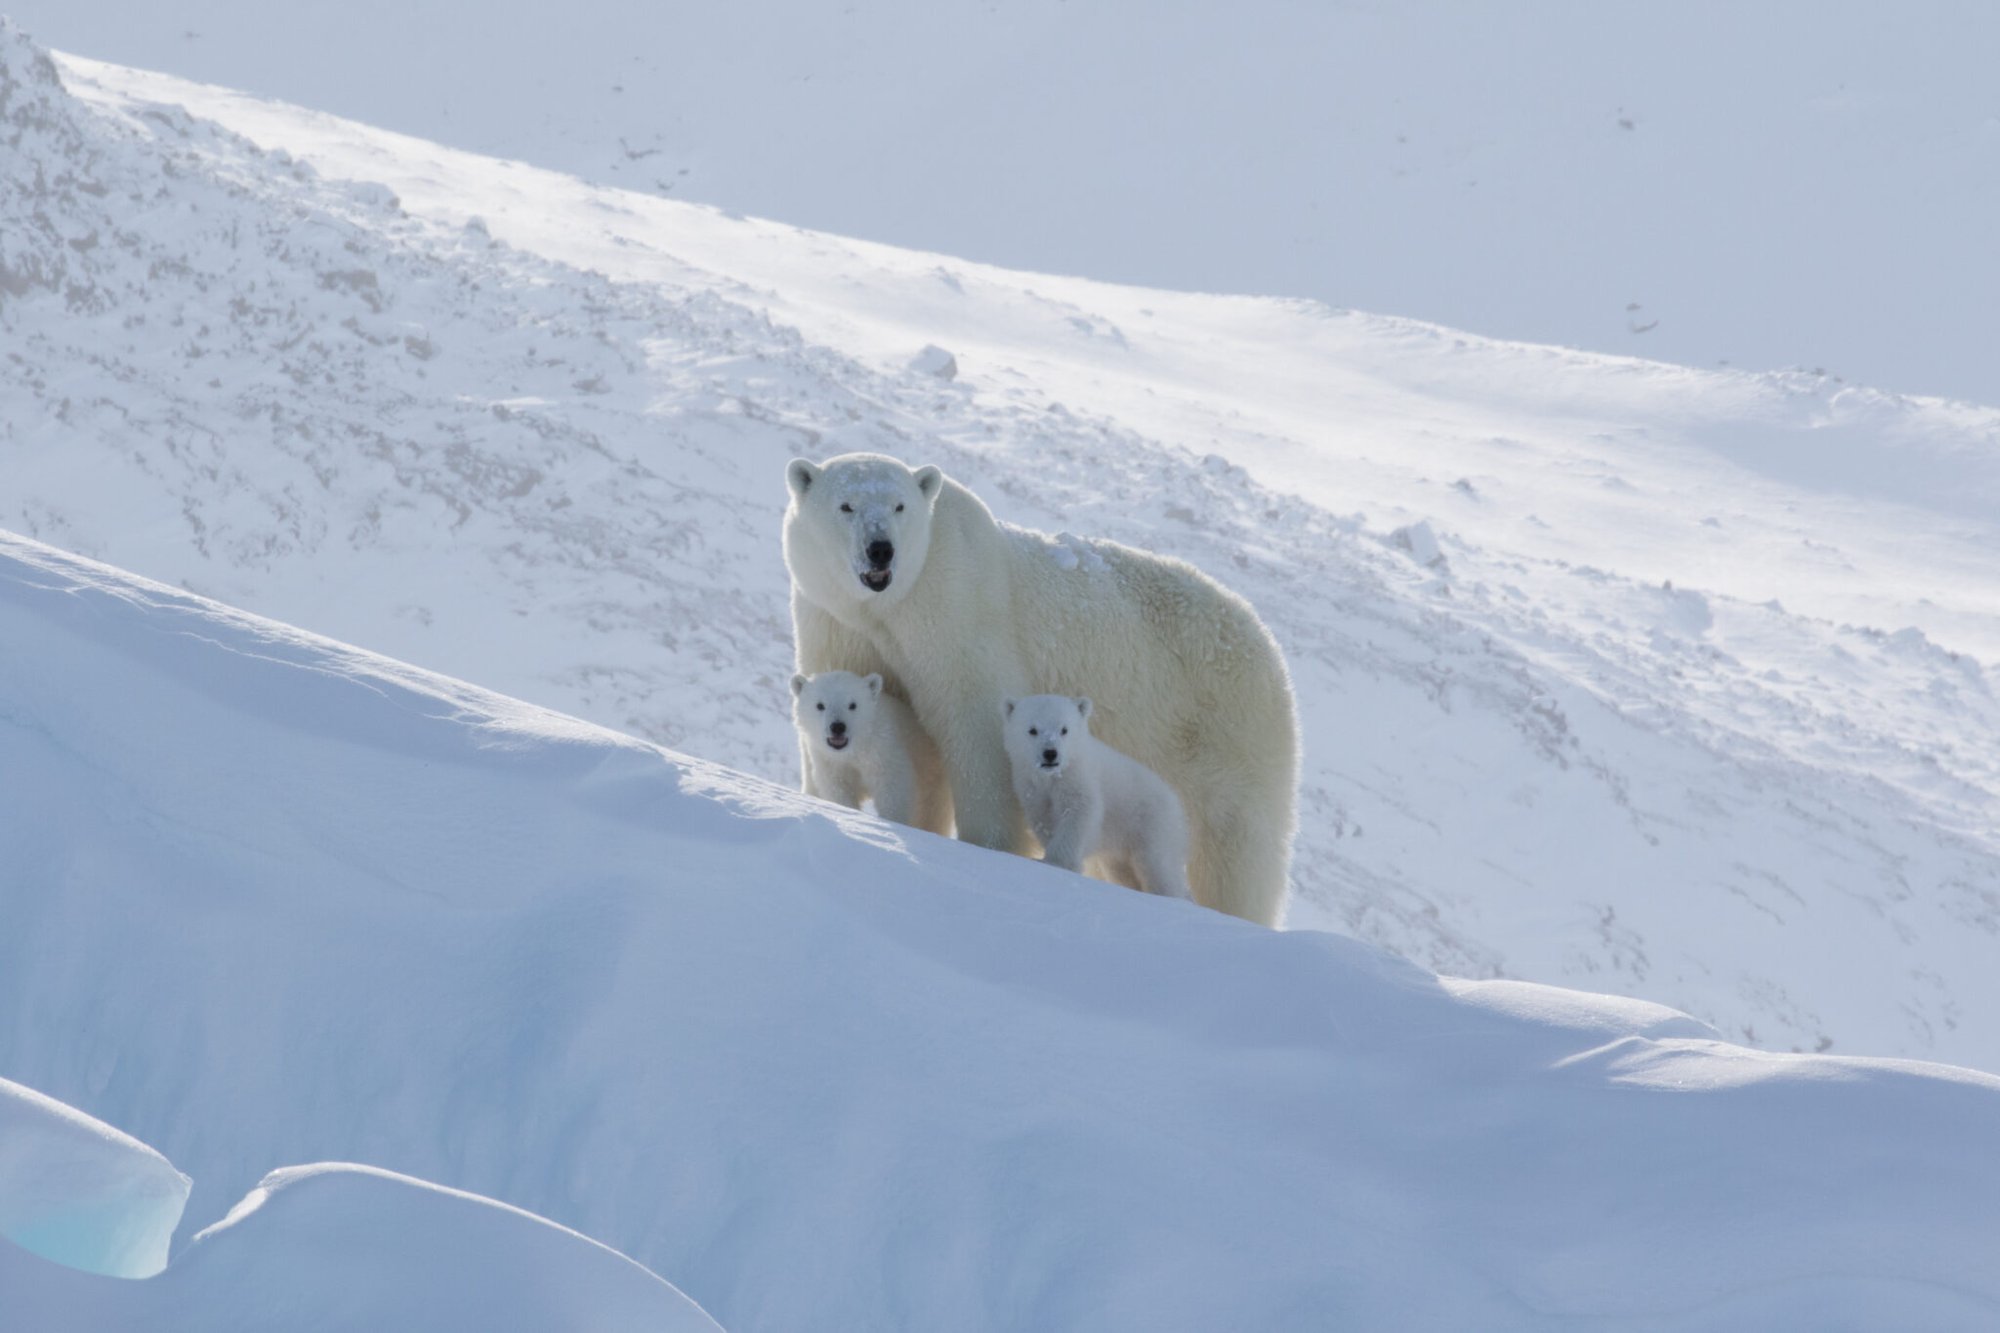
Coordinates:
column 859, row 527
column 1043, row 731
column 835, row 709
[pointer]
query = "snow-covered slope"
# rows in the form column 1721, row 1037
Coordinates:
column 1790, row 183
column 1694, row 704
column 277, row 900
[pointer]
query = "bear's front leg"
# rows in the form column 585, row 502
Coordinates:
column 968, row 735
column 1078, row 823
column 842, row 784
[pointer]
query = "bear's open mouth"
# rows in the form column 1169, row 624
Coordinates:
column 875, row 579
column 836, row 742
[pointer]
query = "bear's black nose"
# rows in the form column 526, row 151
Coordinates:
column 1049, row 756
column 881, row 553
column 838, row 728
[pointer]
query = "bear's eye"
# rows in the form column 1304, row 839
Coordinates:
column 821, row 707
column 850, row 708
column 1065, row 731
column 899, row 509
column 1033, row 732
column 847, row 509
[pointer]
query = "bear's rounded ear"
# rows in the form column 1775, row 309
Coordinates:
column 930, row 481
column 873, row 681
column 1083, row 708
column 800, row 475
column 799, row 684
column 1007, row 707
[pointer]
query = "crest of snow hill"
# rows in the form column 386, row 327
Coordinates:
column 272, row 900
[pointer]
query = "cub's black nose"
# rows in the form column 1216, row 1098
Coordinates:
column 1049, row 756
column 838, row 728
column 881, row 553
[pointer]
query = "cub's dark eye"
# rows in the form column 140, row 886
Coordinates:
column 821, row 707
column 850, row 708
column 899, row 509
column 1033, row 732
column 847, row 509
column 1065, row 731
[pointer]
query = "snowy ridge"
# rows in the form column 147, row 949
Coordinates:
column 1815, row 189
column 281, row 900
column 530, row 432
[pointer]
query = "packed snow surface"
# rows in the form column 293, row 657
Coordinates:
column 272, row 900
column 1790, row 183
column 1669, row 682
column 78, row 1192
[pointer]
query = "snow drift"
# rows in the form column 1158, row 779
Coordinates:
column 276, row 900
column 335, row 1248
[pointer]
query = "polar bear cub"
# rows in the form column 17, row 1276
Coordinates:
column 1086, row 800
column 856, row 742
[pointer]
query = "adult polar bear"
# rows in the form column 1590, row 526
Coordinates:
column 905, row 572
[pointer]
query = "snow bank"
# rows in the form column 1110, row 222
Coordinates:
column 335, row 1248
column 283, row 901
column 78, row 1192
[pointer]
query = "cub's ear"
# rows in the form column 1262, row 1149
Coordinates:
column 874, row 683
column 799, row 684
column 1007, row 707
column 1083, row 708
column 800, row 475
column 930, row 481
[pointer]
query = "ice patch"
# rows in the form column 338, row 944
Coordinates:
column 78, row 1192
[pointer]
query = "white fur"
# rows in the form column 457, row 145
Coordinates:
column 1186, row 678
column 1087, row 802
column 855, row 742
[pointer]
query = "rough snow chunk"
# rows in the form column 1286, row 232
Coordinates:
column 1421, row 544
column 1683, row 611
column 77, row 1191
column 934, row 360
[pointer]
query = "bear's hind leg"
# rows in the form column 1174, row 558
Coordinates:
column 1241, row 864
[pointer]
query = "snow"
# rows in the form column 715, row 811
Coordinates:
column 339, row 1247
column 530, row 432
column 1804, row 184
column 280, row 900
column 78, row 1192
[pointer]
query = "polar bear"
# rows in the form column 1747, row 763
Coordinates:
column 902, row 572
column 856, row 742
column 1086, row 801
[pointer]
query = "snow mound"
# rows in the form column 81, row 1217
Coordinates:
column 277, row 899
column 78, row 1192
